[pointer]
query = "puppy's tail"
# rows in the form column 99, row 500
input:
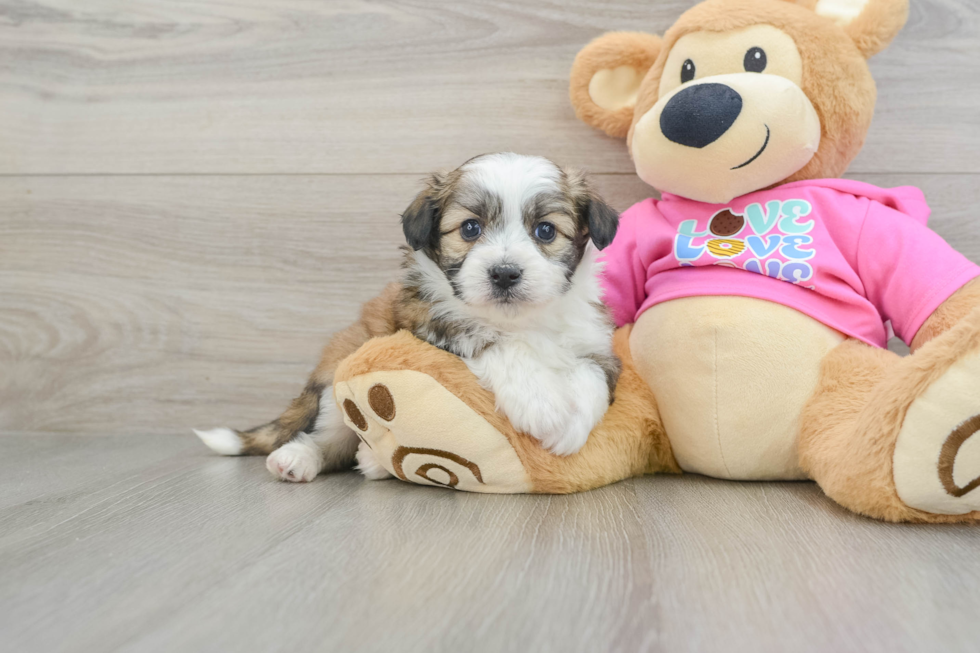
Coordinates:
column 300, row 417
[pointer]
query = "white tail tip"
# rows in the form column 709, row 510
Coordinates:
column 224, row 441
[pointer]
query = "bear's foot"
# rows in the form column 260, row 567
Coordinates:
column 937, row 452
column 427, row 420
column 897, row 438
column 420, row 432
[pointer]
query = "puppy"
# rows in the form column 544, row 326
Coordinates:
column 499, row 271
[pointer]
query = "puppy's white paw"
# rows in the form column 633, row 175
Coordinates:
column 367, row 464
column 546, row 417
column 298, row 461
column 563, row 418
column 572, row 437
column 590, row 402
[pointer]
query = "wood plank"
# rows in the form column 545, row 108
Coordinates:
column 295, row 86
column 759, row 556
column 105, row 567
column 110, row 284
column 38, row 498
column 157, row 304
column 212, row 554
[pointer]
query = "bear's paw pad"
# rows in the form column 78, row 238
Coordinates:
column 937, row 453
column 422, row 433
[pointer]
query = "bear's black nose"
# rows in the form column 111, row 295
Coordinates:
column 700, row 114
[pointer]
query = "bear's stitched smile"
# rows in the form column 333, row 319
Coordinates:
column 757, row 154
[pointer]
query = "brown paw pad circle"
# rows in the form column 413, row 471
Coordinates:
column 451, row 479
column 381, row 402
column 438, row 473
column 355, row 415
column 947, row 457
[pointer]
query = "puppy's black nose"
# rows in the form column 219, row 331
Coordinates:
column 505, row 276
column 700, row 114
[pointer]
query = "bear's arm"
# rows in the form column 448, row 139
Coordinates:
column 908, row 270
column 955, row 308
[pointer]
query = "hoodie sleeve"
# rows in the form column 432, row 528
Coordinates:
column 624, row 275
column 907, row 269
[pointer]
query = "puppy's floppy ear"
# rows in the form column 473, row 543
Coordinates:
column 593, row 213
column 603, row 222
column 420, row 221
column 606, row 78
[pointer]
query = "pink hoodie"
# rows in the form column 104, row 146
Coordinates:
column 848, row 254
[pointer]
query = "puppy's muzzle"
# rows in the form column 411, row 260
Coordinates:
column 505, row 276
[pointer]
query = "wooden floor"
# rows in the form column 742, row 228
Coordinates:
column 194, row 193
column 136, row 543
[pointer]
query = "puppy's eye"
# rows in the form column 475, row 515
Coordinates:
column 470, row 230
column 755, row 60
column 545, row 232
column 687, row 71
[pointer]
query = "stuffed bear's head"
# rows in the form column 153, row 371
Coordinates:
column 739, row 95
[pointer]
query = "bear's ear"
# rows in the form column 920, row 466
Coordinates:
column 606, row 79
column 871, row 24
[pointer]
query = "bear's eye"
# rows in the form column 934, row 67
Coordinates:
column 755, row 60
column 687, row 71
column 470, row 230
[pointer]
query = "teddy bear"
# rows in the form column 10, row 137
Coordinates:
column 754, row 299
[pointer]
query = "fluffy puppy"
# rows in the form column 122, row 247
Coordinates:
column 499, row 271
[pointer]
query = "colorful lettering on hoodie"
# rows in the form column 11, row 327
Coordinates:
column 848, row 254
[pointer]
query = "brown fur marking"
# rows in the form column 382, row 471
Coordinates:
column 377, row 319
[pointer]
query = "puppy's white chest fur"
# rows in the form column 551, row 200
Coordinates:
column 542, row 371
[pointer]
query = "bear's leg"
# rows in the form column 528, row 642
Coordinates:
column 423, row 417
column 897, row 438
